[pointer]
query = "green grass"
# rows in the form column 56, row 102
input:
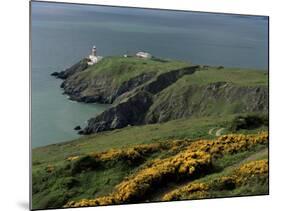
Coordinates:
column 241, row 77
column 60, row 186
column 193, row 128
column 256, row 185
column 197, row 81
column 177, row 129
column 50, row 189
column 196, row 96
column 121, row 69
column 54, row 189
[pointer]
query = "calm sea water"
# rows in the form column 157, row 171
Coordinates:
column 62, row 34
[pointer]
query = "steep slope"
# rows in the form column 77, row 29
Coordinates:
column 146, row 91
column 176, row 94
column 92, row 166
column 211, row 92
column 111, row 77
column 132, row 109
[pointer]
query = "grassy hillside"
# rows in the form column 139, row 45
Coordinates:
column 64, row 172
column 211, row 92
column 123, row 69
column 209, row 137
column 182, row 162
column 241, row 77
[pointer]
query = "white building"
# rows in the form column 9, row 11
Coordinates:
column 93, row 57
column 144, row 55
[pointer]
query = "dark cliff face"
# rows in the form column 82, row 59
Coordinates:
column 218, row 99
column 130, row 111
column 166, row 79
column 101, row 89
column 76, row 68
column 152, row 97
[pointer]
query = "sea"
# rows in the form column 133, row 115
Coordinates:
column 62, row 34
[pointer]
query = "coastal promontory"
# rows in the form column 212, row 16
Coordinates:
column 144, row 91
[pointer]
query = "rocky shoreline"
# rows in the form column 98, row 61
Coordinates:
column 138, row 100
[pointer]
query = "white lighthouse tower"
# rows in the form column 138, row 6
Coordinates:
column 93, row 56
column 94, row 51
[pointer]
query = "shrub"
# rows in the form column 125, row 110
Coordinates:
column 70, row 182
column 131, row 155
column 244, row 175
column 194, row 160
column 194, row 189
column 84, row 164
column 248, row 122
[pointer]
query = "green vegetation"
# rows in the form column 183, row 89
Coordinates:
column 122, row 69
column 212, row 92
column 57, row 179
column 241, row 77
column 201, row 143
column 192, row 160
column 194, row 128
column 250, row 121
column 243, row 179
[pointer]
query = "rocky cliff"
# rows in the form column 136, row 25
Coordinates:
column 144, row 91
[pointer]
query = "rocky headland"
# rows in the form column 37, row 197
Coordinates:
column 145, row 91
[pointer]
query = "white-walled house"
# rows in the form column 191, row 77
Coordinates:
column 144, row 55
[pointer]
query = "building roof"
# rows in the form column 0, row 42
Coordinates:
column 143, row 54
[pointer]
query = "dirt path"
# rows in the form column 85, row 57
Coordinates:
column 217, row 133
column 210, row 132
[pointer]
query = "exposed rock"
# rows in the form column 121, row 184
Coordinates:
column 205, row 100
column 129, row 111
column 101, row 89
column 77, row 127
column 55, row 74
column 78, row 67
column 149, row 98
column 80, row 132
column 132, row 110
column 164, row 80
column 216, row 85
column 160, row 82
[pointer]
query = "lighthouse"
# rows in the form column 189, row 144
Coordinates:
column 93, row 56
column 94, row 51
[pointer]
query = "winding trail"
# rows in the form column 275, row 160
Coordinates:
column 210, row 132
column 218, row 132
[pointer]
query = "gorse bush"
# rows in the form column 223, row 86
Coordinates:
column 194, row 160
column 238, row 177
column 199, row 190
column 229, row 144
column 131, row 155
column 185, row 164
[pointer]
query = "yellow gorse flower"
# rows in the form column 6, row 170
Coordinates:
column 200, row 189
column 239, row 176
column 195, row 157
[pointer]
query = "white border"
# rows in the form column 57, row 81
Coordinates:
column 14, row 88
